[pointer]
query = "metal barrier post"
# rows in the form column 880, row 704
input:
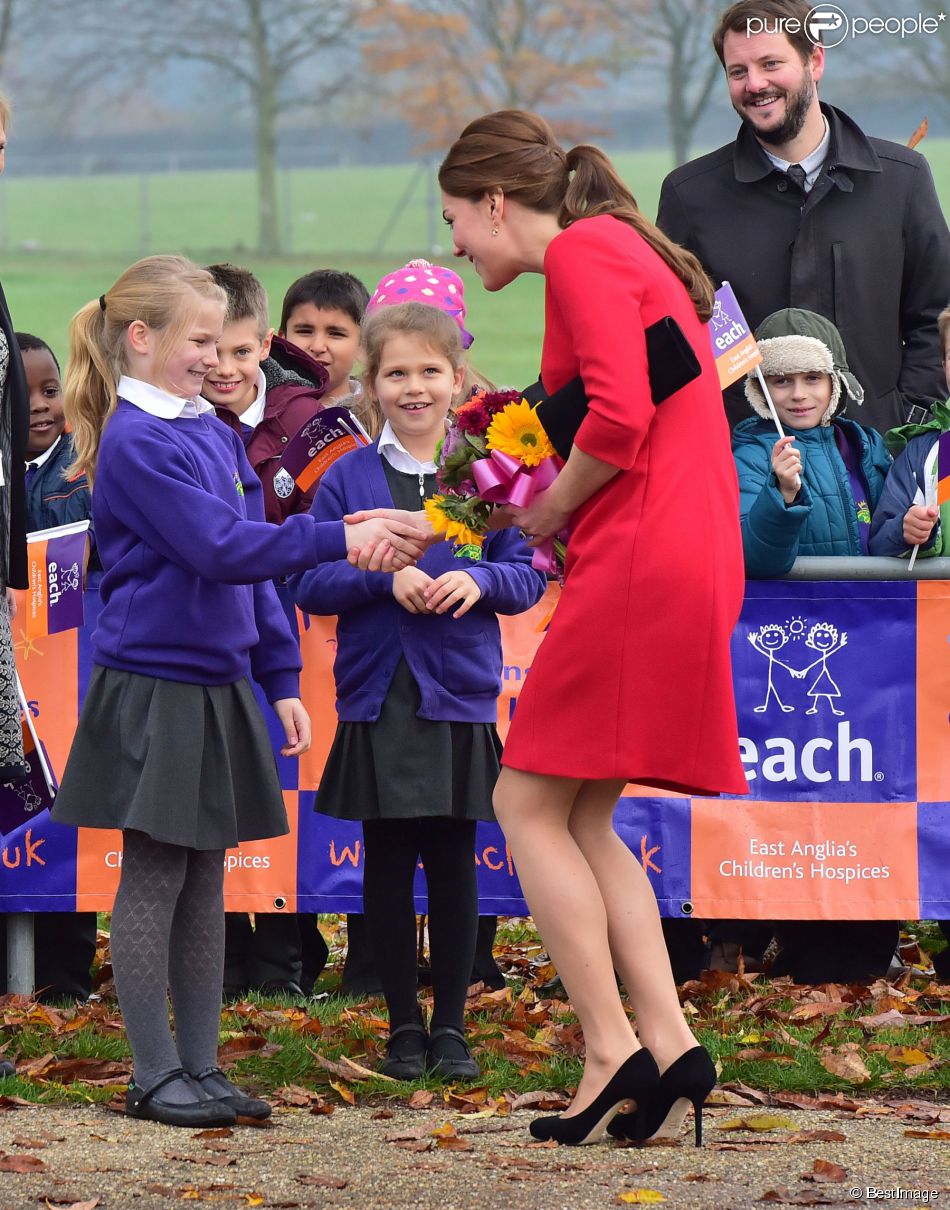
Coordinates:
column 20, row 966
column 864, row 567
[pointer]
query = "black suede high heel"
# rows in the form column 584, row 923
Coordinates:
column 636, row 1081
column 688, row 1081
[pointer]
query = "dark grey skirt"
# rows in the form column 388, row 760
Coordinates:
column 187, row 764
column 407, row 767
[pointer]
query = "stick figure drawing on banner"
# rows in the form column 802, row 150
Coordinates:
column 767, row 640
column 823, row 638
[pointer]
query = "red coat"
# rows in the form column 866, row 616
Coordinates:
column 633, row 680
column 295, row 384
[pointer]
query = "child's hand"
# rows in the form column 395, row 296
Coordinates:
column 384, row 542
column 418, row 520
column 918, row 523
column 787, row 465
column 296, row 724
column 409, row 587
column 452, row 588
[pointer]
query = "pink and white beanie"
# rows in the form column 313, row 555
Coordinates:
column 419, row 281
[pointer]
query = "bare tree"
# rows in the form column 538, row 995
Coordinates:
column 448, row 60
column 281, row 54
column 6, row 26
column 673, row 39
column 901, row 66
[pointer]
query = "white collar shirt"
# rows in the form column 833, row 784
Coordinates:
column 160, row 403
column 812, row 163
column 398, row 457
column 37, row 461
column 253, row 415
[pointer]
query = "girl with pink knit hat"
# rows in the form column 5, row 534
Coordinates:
column 418, row 664
column 420, row 281
column 436, row 286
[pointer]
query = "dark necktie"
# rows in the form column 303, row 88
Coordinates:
column 30, row 474
column 797, row 174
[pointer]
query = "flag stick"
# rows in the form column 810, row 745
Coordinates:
column 775, row 419
column 920, row 497
column 352, row 426
column 40, row 755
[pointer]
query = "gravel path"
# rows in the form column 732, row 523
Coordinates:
column 356, row 1157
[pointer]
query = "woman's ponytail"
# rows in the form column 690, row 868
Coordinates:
column 595, row 188
column 516, row 151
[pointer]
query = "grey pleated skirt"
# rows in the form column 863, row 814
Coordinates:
column 406, row 767
column 189, row 765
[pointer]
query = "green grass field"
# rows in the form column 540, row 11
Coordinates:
column 63, row 240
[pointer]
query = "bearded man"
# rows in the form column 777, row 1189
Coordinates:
column 805, row 210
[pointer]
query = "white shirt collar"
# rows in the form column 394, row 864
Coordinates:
column 253, row 415
column 811, row 163
column 159, row 403
column 398, row 457
column 41, row 458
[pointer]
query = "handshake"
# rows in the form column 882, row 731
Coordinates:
column 387, row 539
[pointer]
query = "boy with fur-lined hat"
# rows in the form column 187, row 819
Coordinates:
column 813, row 491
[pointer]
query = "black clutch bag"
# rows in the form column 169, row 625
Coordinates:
column 671, row 364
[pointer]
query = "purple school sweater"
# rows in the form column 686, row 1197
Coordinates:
column 456, row 662
column 188, row 558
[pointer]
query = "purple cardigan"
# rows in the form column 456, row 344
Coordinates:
column 189, row 559
column 456, row 662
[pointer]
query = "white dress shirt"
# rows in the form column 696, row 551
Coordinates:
column 37, row 461
column 811, row 163
column 253, row 415
column 159, row 403
column 398, row 457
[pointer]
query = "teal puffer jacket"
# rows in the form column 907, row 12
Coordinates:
column 822, row 519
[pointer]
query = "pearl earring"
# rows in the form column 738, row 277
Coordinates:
column 494, row 230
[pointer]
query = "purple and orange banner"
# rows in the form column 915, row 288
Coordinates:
column 733, row 344
column 23, row 800
column 55, row 561
column 943, row 468
column 844, row 712
column 322, row 440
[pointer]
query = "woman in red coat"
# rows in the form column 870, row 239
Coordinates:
column 633, row 680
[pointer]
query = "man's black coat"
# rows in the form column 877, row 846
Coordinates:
column 869, row 249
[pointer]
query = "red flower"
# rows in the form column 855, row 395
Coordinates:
column 476, row 414
column 474, row 418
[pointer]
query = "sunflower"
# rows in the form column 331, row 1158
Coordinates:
column 518, row 432
column 439, row 511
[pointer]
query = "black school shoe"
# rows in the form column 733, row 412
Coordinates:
column 144, row 1103
column 244, row 1107
column 448, row 1055
column 406, row 1053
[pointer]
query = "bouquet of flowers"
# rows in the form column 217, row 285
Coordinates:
column 495, row 452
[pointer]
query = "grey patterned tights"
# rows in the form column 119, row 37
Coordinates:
column 168, row 933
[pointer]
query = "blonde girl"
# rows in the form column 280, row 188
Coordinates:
column 171, row 747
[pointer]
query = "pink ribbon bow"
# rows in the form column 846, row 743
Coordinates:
column 502, row 479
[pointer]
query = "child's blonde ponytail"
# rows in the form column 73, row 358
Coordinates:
column 89, row 387
column 164, row 293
